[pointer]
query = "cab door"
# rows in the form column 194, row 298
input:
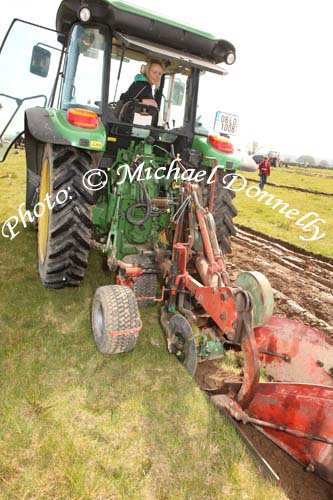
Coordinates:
column 30, row 63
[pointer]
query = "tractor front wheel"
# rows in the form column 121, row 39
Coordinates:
column 115, row 319
column 64, row 216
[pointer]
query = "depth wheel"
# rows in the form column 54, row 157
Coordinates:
column 64, row 223
column 115, row 310
column 183, row 345
column 261, row 291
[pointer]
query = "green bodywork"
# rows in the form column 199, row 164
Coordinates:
column 230, row 161
column 110, row 216
column 95, row 139
column 210, row 349
column 92, row 139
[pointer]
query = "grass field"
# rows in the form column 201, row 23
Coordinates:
column 75, row 425
column 12, row 182
column 260, row 216
column 312, row 178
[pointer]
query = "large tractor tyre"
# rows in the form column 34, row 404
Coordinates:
column 32, row 185
column 115, row 310
column 147, row 284
column 224, row 210
column 64, row 222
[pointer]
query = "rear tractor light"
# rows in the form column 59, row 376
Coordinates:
column 82, row 118
column 221, row 143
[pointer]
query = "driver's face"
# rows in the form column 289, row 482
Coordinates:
column 154, row 74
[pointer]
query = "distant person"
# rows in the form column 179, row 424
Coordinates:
column 264, row 171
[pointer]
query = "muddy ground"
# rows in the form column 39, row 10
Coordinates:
column 302, row 284
column 303, row 290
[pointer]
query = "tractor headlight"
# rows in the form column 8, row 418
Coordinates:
column 85, row 14
column 230, row 57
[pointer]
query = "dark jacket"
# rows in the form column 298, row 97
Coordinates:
column 140, row 89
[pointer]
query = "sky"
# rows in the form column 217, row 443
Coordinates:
column 282, row 82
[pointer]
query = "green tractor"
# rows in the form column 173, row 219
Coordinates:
column 149, row 186
column 100, row 176
column 76, row 141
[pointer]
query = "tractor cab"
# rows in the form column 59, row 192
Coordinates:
column 102, row 63
column 79, row 71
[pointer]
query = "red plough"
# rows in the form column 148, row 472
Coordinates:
column 205, row 315
column 293, row 352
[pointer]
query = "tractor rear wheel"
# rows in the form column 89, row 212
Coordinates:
column 115, row 310
column 64, row 216
column 224, row 210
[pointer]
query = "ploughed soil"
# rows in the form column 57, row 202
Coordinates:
column 303, row 291
column 297, row 170
column 294, row 188
column 302, row 284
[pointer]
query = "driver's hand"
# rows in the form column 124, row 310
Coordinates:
column 150, row 102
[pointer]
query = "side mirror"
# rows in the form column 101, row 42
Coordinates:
column 40, row 61
column 178, row 92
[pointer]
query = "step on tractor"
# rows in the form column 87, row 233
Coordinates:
column 148, row 186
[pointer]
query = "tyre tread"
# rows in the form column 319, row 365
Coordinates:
column 223, row 212
column 121, row 312
column 69, row 238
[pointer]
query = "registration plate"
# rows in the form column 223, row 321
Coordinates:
column 225, row 123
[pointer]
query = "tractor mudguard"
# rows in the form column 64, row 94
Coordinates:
column 39, row 125
column 51, row 126
column 38, row 131
column 43, row 126
column 238, row 160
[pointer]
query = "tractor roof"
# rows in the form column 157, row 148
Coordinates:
column 145, row 24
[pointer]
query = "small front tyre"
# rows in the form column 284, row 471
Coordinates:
column 115, row 319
